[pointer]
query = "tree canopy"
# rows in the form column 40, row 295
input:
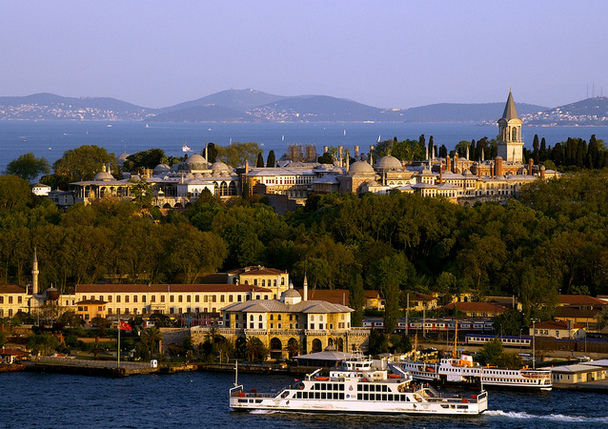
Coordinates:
column 28, row 167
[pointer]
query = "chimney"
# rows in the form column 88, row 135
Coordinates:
column 357, row 152
column 305, row 288
column 455, row 164
column 530, row 164
column 498, row 166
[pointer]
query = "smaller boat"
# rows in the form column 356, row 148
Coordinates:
column 186, row 148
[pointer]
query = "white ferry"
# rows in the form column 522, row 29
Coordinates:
column 356, row 387
column 465, row 371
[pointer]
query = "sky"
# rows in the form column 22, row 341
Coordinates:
column 386, row 53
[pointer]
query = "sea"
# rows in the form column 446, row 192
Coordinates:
column 50, row 139
column 200, row 400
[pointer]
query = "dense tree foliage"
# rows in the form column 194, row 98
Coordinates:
column 28, row 167
column 553, row 238
column 145, row 159
column 237, row 153
column 83, row 163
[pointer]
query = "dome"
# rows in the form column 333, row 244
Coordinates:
column 291, row 297
column 361, row 167
column 389, row 162
column 103, row 176
column 196, row 159
column 161, row 168
column 291, row 293
column 219, row 167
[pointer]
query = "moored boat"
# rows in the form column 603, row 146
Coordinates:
column 357, row 387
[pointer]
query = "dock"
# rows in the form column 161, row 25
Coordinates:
column 105, row 368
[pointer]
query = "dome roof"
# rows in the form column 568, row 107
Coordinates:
column 291, row 293
column 389, row 162
column 219, row 167
column 196, row 159
column 361, row 167
column 103, row 176
column 161, row 168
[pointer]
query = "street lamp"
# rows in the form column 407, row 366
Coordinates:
column 534, row 343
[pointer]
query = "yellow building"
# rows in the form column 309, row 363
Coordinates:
column 12, row 299
column 89, row 309
column 308, row 325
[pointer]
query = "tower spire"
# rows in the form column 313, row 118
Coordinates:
column 35, row 273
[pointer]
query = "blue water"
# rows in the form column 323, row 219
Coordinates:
column 200, row 400
column 49, row 139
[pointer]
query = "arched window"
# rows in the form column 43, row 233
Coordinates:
column 232, row 188
column 514, row 134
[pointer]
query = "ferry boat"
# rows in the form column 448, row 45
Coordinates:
column 356, row 387
column 464, row 371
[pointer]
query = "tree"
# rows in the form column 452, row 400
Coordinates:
column 293, row 347
column 271, row 161
column 28, row 167
column 237, row 153
column 83, row 163
column 212, row 153
column 15, row 193
column 145, row 159
column 256, row 349
column 357, row 300
column 260, row 160
column 326, row 158
column 490, row 353
column 378, row 343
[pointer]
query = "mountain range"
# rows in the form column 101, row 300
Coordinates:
column 255, row 106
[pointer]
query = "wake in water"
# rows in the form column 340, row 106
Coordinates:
column 262, row 412
column 550, row 417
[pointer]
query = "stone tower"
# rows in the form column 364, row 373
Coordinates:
column 35, row 273
column 510, row 144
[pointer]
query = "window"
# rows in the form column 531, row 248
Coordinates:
column 19, row 300
column 214, row 298
column 126, row 298
column 134, row 298
column 230, row 298
column 222, row 298
column 118, row 299
column 197, row 298
column 171, row 298
column 162, row 298
column 153, row 298
column 180, row 298
column 143, row 298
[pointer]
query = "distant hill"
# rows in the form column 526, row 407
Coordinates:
column 234, row 99
column 249, row 105
column 51, row 106
column 452, row 112
column 320, row 108
column 592, row 111
column 206, row 113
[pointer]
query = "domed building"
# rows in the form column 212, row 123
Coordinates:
column 103, row 185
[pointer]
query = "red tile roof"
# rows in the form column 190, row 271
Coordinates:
column 556, row 324
column 335, row 296
column 579, row 300
column 257, row 270
column 11, row 289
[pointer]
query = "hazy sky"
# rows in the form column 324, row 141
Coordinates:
column 383, row 53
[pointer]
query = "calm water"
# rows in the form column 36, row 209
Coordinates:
column 50, row 139
column 198, row 400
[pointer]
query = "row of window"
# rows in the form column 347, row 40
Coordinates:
column 172, row 298
column 10, row 300
column 172, row 310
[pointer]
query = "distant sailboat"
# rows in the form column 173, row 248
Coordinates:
column 147, row 125
column 345, row 132
column 283, row 138
column 378, row 138
column 186, row 148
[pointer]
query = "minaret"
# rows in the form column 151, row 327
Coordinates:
column 510, row 144
column 35, row 273
column 305, row 288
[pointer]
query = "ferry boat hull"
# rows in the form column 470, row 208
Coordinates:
column 367, row 407
column 359, row 389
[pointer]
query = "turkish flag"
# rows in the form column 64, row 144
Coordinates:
column 125, row 326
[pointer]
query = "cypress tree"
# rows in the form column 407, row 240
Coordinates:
column 443, row 151
column 536, row 148
column 260, row 161
column 271, row 160
column 542, row 154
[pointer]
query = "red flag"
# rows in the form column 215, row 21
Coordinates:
column 125, row 326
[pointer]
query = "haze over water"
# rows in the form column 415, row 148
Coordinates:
column 50, row 139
